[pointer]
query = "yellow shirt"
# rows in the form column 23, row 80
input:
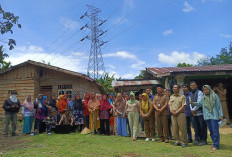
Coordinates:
column 177, row 101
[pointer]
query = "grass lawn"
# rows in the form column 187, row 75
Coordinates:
column 96, row 145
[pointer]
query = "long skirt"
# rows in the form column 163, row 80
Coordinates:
column 94, row 123
column 27, row 124
column 78, row 117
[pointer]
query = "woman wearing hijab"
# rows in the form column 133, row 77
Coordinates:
column 52, row 102
column 94, row 120
column 63, row 104
column 77, row 112
column 105, row 115
column 212, row 112
column 27, row 114
column 119, row 108
column 146, row 110
column 11, row 107
column 132, row 110
column 86, row 109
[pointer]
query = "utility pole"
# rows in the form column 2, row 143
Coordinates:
column 96, row 67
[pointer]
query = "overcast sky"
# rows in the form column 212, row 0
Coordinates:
column 141, row 33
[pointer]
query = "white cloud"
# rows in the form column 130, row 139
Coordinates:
column 226, row 35
column 180, row 57
column 71, row 62
column 187, row 7
column 212, row 0
column 129, row 76
column 137, row 63
column 167, row 32
column 69, row 24
column 129, row 3
column 120, row 20
column 111, row 66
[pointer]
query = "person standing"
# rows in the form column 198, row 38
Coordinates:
column 126, row 98
column 187, row 111
column 11, row 107
column 119, row 108
column 160, row 104
column 63, row 104
column 212, row 111
column 86, row 109
column 132, row 110
column 140, row 117
column 94, row 120
column 27, row 114
column 168, row 94
column 105, row 115
column 151, row 98
column 177, row 104
column 52, row 102
column 147, row 112
column 221, row 92
column 199, row 124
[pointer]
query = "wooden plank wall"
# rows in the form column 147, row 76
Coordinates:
column 21, row 80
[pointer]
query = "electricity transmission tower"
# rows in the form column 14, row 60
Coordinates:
column 96, row 67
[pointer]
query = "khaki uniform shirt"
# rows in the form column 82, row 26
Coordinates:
column 176, row 102
column 160, row 101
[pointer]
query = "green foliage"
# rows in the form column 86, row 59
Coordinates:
column 184, row 65
column 224, row 57
column 141, row 75
column 106, row 81
column 3, row 64
column 7, row 21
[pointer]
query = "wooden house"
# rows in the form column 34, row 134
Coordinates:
column 33, row 78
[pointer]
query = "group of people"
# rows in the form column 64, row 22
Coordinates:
column 120, row 115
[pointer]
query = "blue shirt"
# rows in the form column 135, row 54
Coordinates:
column 151, row 97
column 187, row 108
column 216, row 112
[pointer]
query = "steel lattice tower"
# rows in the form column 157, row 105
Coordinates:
column 96, row 67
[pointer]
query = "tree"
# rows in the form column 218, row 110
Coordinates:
column 224, row 57
column 141, row 75
column 106, row 82
column 7, row 21
column 184, row 65
column 3, row 64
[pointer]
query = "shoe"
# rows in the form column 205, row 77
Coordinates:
column 49, row 133
column 161, row 140
column 153, row 140
column 202, row 143
column 196, row 143
column 147, row 139
column 14, row 134
column 189, row 141
column 166, row 141
column 32, row 134
column 184, row 145
column 134, row 139
column 176, row 144
column 214, row 149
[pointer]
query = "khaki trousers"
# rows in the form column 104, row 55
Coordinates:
column 162, row 126
column 225, row 111
column 179, row 127
column 149, row 126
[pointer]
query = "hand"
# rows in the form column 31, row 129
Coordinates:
column 124, row 116
column 158, row 110
column 192, row 103
column 193, row 113
column 221, row 118
column 57, row 124
column 13, row 106
column 71, row 124
column 48, row 118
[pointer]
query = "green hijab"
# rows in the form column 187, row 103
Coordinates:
column 132, row 101
column 209, row 100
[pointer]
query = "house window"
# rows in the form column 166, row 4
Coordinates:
column 65, row 89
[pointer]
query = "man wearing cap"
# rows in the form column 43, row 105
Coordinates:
column 177, row 104
column 160, row 104
column 11, row 107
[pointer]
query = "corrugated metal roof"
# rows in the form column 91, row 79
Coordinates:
column 121, row 83
column 159, row 71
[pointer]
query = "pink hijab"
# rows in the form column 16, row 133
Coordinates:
column 28, row 105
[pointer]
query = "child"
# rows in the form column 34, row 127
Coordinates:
column 51, row 121
column 41, row 114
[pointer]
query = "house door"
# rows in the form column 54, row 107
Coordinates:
column 46, row 91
